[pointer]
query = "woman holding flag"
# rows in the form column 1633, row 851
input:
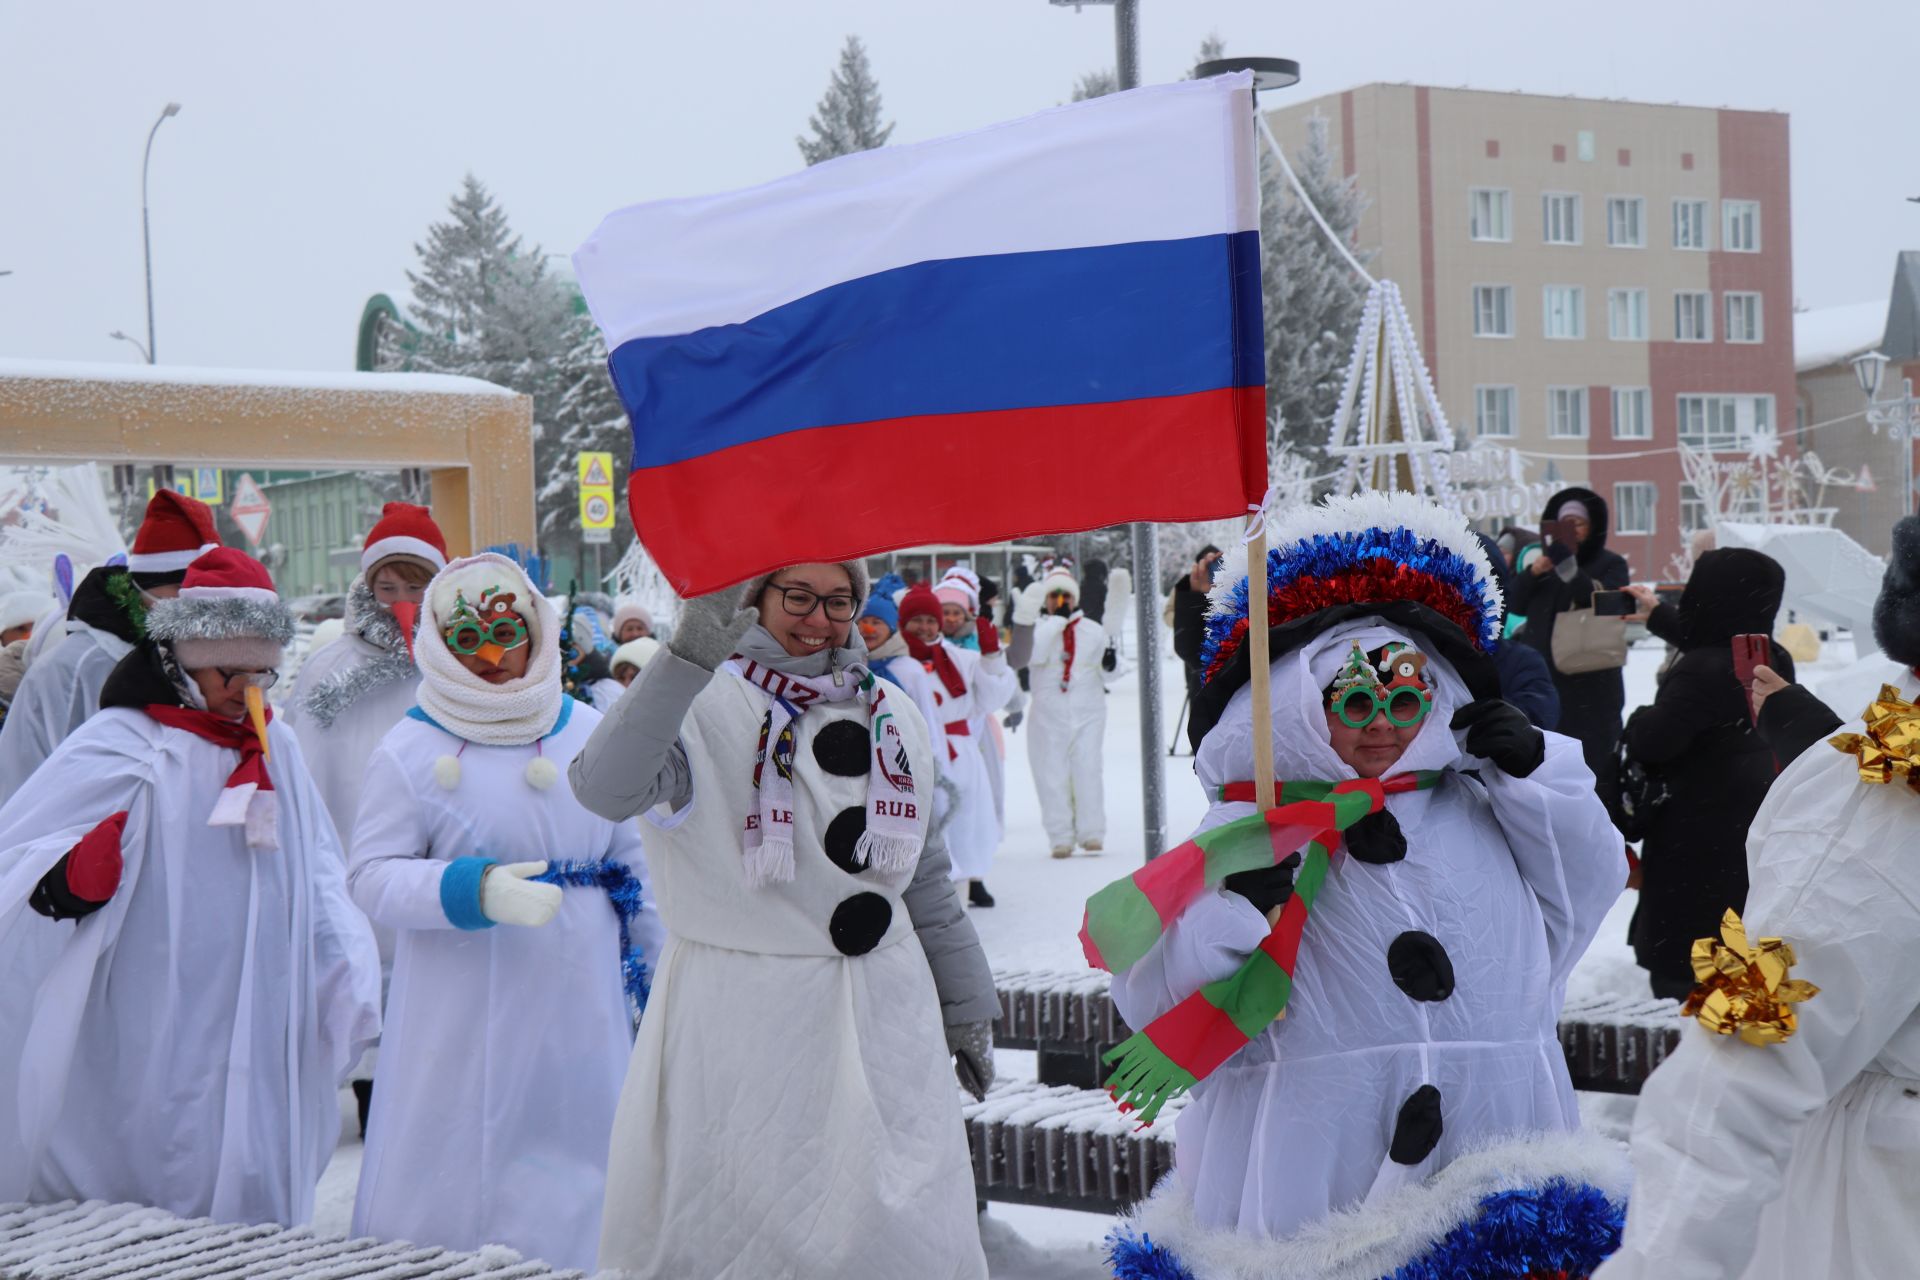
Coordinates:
column 790, row 1107
column 1455, row 861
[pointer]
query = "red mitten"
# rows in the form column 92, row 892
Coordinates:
column 989, row 634
column 93, row 865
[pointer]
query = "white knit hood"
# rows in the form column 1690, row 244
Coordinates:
column 511, row 714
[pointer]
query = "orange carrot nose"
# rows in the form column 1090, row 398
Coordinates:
column 257, row 716
column 490, row 652
column 407, row 614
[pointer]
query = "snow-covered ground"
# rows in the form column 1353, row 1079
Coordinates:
column 1037, row 917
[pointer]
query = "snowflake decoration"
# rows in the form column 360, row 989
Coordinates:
column 1763, row 444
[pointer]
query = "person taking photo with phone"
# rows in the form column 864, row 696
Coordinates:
column 1699, row 741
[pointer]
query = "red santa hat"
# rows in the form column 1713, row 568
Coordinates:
column 404, row 530
column 920, row 601
column 226, row 615
column 176, row 531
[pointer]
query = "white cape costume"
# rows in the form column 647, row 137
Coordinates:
column 973, row 832
column 505, row 1047
column 56, row 696
column 187, row 1046
column 1066, row 728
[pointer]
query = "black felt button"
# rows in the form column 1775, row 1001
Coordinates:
column 1417, row 1132
column 1376, row 838
column 843, row 837
column 841, row 749
column 859, row 923
column 1420, row 966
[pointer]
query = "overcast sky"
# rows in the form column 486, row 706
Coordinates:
column 317, row 141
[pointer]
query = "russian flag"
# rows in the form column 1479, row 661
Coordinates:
column 1048, row 325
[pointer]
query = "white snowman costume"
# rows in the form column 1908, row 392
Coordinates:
column 1417, row 1068
column 1067, row 726
column 973, row 833
column 790, row 1109
column 505, row 1046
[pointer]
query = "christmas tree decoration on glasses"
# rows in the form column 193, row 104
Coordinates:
column 487, row 630
column 1358, row 694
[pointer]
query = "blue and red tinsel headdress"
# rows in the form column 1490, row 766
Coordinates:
column 1388, row 555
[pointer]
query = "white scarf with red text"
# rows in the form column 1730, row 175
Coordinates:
column 891, row 841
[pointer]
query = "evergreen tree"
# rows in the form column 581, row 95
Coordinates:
column 1211, row 48
column 848, row 117
column 1096, row 84
column 1312, row 297
column 588, row 418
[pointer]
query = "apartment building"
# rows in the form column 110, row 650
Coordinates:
column 1593, row 281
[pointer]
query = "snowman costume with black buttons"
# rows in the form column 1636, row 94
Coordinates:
column 508, row 1019
column 790, row 1109
column 1416, row 1070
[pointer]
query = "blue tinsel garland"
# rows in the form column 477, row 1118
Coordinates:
column 1325, row 555
column 1559, row 1226
column 623, row 891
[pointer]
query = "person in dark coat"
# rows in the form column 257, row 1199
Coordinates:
column 1190, row 613
column 1565, row 577
column 1698, row 738
column 1525, row 679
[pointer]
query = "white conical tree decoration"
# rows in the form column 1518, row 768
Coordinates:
column 1388, row 410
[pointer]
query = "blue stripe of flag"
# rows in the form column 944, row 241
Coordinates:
column 1089, row 325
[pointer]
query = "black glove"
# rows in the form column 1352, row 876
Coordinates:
column 1500, row 732
column 1109, row 660
column 1265, row 887
column 1013, row 719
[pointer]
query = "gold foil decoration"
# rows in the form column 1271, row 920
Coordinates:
column 1744, row 989
column 1888, row 748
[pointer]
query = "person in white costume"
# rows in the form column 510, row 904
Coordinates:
column 1802, row 1158
column 1415, row 1068
column 351, row 692
column 1067, row 722
column 887, row 657
column 967, row 687
column 186, row 1048
column 790, row 1109
column 19, row 611
column 966, row 619
column 62, row 685
column 505, row 1047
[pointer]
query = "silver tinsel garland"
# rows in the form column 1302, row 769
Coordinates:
column 367, row 620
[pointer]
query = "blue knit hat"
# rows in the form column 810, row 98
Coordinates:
column 882, row 607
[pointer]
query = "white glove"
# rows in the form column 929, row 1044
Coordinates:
column 1027, row 605
column 508, row 895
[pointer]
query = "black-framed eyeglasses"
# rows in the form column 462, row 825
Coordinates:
column 799, row 602
column 258, row 679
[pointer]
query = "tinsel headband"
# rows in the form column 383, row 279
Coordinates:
column 1370, row 548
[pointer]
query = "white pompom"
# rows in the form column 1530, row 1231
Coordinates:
column 541, row 773
column 446, row 772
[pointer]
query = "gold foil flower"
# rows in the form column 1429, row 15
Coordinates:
column 1744, row 990
column 1887, row 749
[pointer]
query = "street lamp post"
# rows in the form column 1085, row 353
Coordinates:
column 146, row 235
column 1899, row 415
column 119, row 336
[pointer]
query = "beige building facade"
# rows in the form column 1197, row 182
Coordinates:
column 1592, row 281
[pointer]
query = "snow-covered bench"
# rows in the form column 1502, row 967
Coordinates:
column 1064, row 1147
column 95, row 1240
column 1612, row 1044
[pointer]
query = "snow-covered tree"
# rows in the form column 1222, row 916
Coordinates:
column 1312, row 297
column 848, row 117
column 1096, row 84
column 588, row 418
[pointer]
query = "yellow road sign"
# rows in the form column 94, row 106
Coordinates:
column 596, row 471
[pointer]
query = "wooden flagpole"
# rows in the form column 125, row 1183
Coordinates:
column 1259, row 673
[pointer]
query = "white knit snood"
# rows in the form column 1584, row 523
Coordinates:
column 496, row 715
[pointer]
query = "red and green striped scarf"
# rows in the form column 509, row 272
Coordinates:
column 1127, row 917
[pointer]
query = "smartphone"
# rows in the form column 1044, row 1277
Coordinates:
column 1750, row 651
column 1614, row 604
column 1560, row 531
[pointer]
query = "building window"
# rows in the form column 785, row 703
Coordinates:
column 1690, row 224
column 1633, row 503
column 1743, row 317
column 1567, row 413
column 1740, row 225
column 1493, row 411
column 1560, row 216
column 1490, row 213
column 1692, row 317
column 1626, row 222
column 1632, row 413
column 1627, row 315
column 1693, row 510
column 1723, row 423
column 1564, row 311
column 1493, row 311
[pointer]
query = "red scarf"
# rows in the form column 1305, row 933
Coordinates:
column 937, row 660
column 247, row 799
column 1066, row 643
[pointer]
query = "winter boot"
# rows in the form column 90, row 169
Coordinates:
column 1063, row 851
column 363, row 1094
column 977, row 894
column 1093, row 845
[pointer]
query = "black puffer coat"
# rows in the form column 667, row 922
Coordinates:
column 1589, row 704
column 1698, row 738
